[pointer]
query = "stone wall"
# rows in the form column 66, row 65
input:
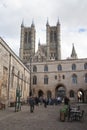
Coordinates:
column 13, row 74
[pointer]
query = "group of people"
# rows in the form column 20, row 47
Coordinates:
column 35, row 101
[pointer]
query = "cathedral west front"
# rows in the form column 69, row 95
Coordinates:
column 50, row 75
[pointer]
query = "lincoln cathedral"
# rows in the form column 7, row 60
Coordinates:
column 50, row 74
column 44, row 72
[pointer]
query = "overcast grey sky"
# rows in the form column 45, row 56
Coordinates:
column 71, row 13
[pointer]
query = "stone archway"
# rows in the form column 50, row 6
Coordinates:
column 60, row 91
column 80, row 95
column 40, row 93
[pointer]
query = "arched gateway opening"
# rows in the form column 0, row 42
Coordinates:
column 60, row 91
column 80, row 95
column 40, row 93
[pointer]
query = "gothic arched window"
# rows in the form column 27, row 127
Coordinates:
column 71, row 93
column 51, row 36
column 34, row 79
column 55, row 36
column 85, row 66
column 25, row 37
column 59, row 67
column 45, row 68
column 34, row 68
column 74, row 79
column 85, row 78
column 29, row 37
column 45, row 79
column 73, row 66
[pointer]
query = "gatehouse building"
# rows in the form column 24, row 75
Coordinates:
column 51, row 76
column 44, row 72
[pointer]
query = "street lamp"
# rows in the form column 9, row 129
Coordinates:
column 30, row 92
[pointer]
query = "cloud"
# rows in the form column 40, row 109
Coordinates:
column 72, row 15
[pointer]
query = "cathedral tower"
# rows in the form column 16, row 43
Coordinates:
column 53, row 41
column 27, row 42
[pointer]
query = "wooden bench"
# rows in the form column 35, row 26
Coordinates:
column 12, row 104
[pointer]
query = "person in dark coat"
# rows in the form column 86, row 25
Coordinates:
column 45, row 102
column 36, row 101
column 31, row 103
column 66, row 100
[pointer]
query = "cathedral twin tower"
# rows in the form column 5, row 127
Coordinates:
column 52, row 48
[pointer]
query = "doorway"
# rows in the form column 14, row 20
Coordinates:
column 60, row 91
column 40, row 93
column 80, row 95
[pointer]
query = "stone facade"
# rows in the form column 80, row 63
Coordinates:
column 27, row 42
column 53, row 41
column 60, row 78
column 51, row 76
column 13, row 74
column 48, row 51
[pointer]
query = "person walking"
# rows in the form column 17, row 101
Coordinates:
column 45, row 102
column 31, row 103
column 66, row 100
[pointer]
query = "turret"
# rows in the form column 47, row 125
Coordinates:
column 48, row 39
column 58, row 41
column 73, row 54
column 39, row 42
column 33, row 33
column 22, row 24
column 47, row 24
column 58, row 23
column 21, row 40
column 32, row 25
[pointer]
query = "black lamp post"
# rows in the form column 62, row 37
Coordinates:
column 30, row 92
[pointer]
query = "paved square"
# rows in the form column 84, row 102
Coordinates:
column 42, row 119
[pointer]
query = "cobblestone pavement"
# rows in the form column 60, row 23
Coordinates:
column 41, row 119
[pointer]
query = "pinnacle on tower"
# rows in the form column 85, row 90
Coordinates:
column 39, row 42
column 73, row 54
column 32, row 25
column 58, row 23
column 47, row 24
column 22, row 24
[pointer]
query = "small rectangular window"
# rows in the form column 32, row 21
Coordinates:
column 55, row 76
